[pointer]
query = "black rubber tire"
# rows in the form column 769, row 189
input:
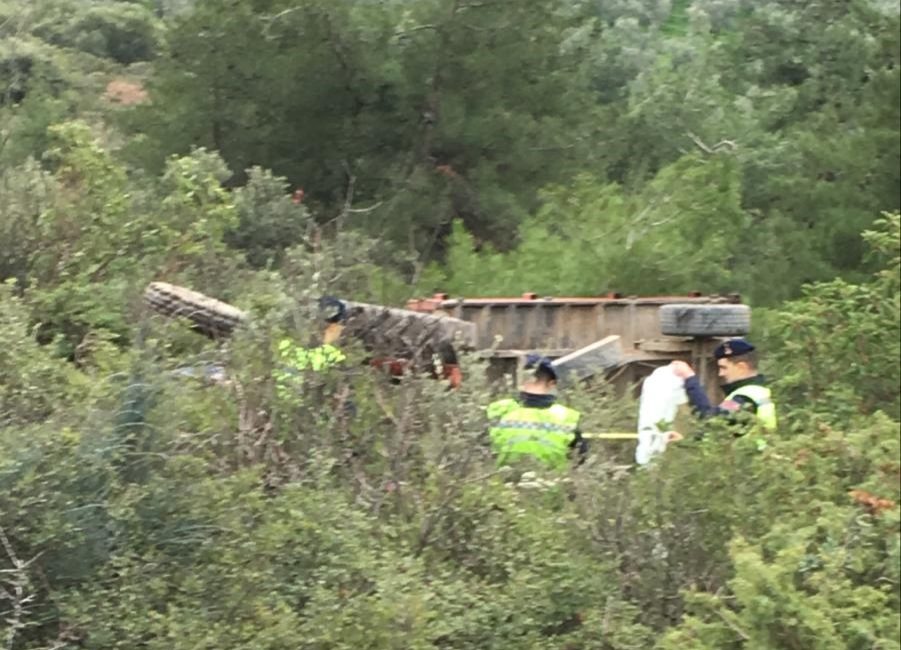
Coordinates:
column 383, row 331
column 208, row 316
column 705, row 320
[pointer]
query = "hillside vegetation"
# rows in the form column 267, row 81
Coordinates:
column 268, row 152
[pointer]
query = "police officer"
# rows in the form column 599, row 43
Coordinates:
column 745, row 388
column 533, row 425
column 297, row 359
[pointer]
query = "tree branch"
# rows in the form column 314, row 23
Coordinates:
column 719, row 146
column 17, row 583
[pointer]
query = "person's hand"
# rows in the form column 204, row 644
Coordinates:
column 682, row 370
column 673, row 436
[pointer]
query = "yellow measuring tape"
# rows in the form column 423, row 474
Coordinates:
column 610, row 436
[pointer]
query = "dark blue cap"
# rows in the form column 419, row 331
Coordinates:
column 540, row 363
column 332, row 309
column 732, row 348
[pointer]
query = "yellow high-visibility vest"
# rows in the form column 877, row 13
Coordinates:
column 541, row 433
column 763, row 398
column 297, row 359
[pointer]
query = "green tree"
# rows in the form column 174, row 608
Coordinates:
column 90, row 238
column 422, row 113
column 681, row 233
column 833, row 164
column 838, row 345
column 124, row 32
column 268, row 220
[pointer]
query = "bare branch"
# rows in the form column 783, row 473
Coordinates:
column 270, row 20
column 719, row 146
column 732, row 625
column 700, row 144
column 365, row 210
column 348, row 195
column 418, row 28
column 17, row 583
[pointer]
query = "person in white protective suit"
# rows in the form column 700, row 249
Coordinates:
column 661, row 395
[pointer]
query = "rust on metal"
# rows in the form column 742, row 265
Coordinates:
column 509, row 326
column 531, row 322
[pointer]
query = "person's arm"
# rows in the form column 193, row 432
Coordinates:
column 728, row 409
column 579, row 444
column 697, row 396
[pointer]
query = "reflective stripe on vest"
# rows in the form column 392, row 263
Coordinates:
column 763, row 399
column 541, row 433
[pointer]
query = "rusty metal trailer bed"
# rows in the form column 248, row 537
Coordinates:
column 625, row 337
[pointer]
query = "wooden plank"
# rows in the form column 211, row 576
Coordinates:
column 596, row 358
column 505, row 353
column 672, row 345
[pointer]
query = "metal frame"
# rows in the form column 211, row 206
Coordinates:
column 556, row 327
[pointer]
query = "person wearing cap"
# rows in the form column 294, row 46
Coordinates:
column 296, row 359
column 534, row 425
column 744, row 387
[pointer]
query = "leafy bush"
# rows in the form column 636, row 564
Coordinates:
column 269, row 222
column 304, row 529
column 143, row 507
column 124, row 32
column 589, row 238
column 161, row 511
column 90, row 241
column 820, row 571
column 29, row 392
column 837, row 348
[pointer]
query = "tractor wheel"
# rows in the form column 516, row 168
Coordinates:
column 383, row 331
column 208, row 316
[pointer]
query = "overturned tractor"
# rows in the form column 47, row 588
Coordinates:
column 620, row 338
column 397, row 339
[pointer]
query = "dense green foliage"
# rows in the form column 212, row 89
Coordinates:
column 485, row 147
column 515, row 118
column 140, row 507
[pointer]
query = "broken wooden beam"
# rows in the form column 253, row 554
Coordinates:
column 586, row 362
